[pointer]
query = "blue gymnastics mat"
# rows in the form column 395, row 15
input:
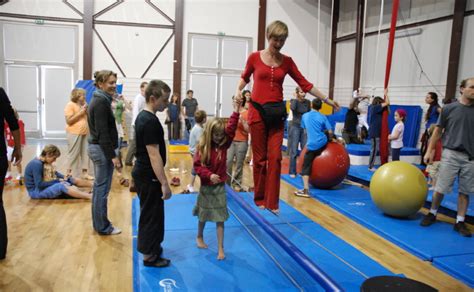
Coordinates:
column 178, row 142
column 247, row 266
column 461, row 267
column 362, row 174
column 427, row 243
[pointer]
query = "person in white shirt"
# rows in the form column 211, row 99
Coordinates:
column 396, row 137
column 138, row 105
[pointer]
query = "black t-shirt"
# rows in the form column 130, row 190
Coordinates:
column 148, row 131
column 350, row 124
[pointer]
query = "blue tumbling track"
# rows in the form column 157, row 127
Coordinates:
column 362, row 174
column 247, row 265
column 439, row 241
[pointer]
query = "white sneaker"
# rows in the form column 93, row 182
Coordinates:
column 115, row 231
column 190, row 189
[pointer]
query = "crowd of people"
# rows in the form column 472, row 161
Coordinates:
column 218, row 147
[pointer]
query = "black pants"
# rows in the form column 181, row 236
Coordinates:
column 351, row 138
column 3, row 218
column 173, row 130
column 151, row 226
column 396, row 154
column 424, row 145
column 309, row 156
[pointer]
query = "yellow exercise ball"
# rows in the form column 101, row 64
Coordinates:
column 398, row 188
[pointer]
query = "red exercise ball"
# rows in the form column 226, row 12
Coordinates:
column 330, row 168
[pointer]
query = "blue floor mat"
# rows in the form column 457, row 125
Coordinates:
column 461, row 266
column 247, row 266
column 362, row 174
column 426, row 243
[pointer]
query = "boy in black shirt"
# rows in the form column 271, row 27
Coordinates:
column 149, row 174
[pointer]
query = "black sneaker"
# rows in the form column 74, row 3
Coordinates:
column 158, row 262
column 428, row 220
column 462, row 229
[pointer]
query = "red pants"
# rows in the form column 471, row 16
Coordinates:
column 266, row 147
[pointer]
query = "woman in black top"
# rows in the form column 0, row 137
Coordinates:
column 103, row 141
column 6, row 113
column 149, row 174
column 173, row 117
column 349, row 133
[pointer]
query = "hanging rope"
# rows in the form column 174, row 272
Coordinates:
column 317, row 41
column 377, row 47
column 330, row 43
column 384, row 130
column 362, row 46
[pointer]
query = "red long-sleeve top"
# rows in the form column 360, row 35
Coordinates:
column 268, row 81
column 217, row 164
column 9, row 136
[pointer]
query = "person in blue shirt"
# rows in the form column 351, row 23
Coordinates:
column 43, row 184
column 318, row 131
column 375, row 126
column 431, row 117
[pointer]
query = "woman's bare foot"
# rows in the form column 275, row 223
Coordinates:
column 261, row 207
column 200, row 242
column 220, row 255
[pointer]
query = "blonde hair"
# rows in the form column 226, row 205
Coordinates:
column 76, row 93
column 102, row 76
column 205, row 143
column 50, row 150
column 277, row 29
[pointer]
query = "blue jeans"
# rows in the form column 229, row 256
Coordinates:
column 50, row 192
column 374, row 150
column 296, row 136
column 192, row 121
column 104, row 169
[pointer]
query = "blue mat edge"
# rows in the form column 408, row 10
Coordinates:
column 451, row 272
column 136, row 274
column 373, row 229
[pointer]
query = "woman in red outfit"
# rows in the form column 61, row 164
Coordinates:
column 269, row 68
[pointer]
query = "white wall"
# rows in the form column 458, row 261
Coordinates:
column 134, row 48
column 312, row 58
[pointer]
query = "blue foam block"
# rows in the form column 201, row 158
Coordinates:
column 332, row 253
column 178, row 142
column 340, row 192
column 461, row 267
column 247, row 267
column 426, row 243
column 364, row 150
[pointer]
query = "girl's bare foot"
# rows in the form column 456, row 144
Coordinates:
column 261, row 207
column 200, row 242
column 220, row 255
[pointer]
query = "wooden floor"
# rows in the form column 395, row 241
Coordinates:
column 52, row 246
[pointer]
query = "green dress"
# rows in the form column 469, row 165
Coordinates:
column 211, row 204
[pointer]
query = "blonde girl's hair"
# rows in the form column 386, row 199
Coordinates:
column 51, row 150
column 76, row 93
column 277, row 29
column 205, row 143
